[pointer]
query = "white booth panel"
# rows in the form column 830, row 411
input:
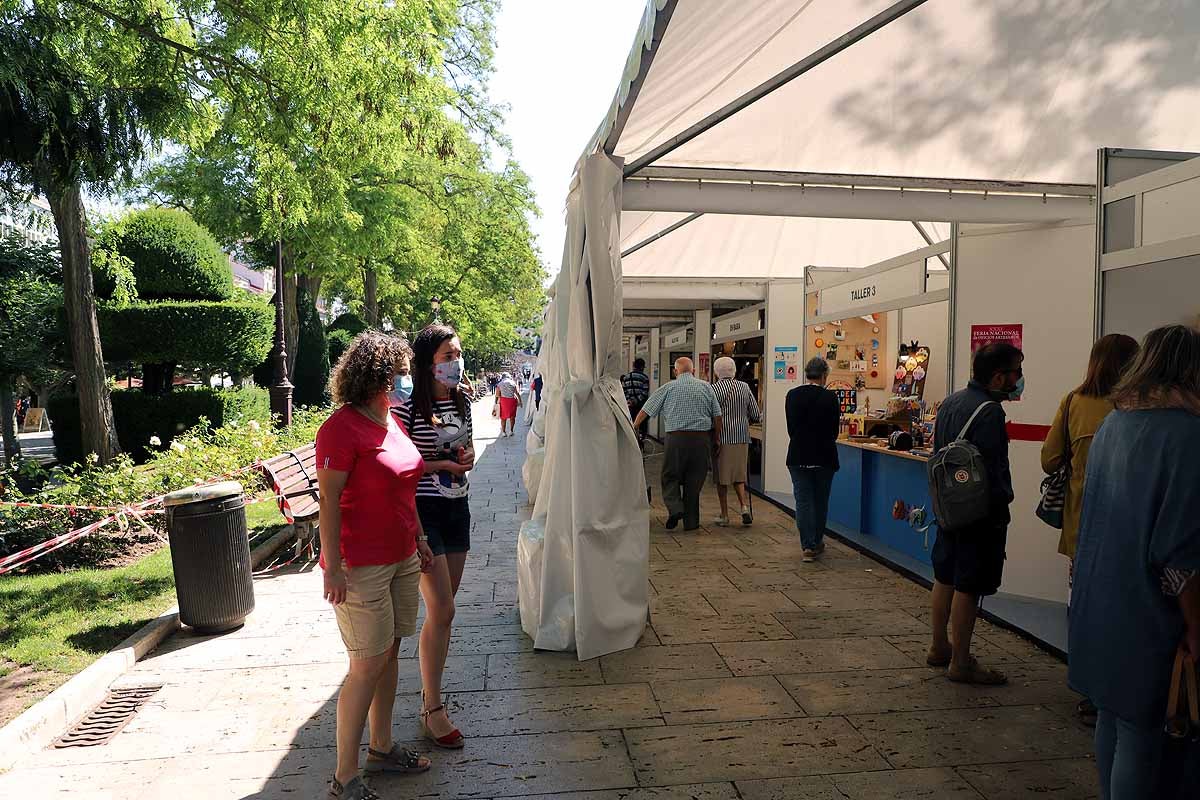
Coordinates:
column 930, row 326
column 1042, row 278
column 785, row 328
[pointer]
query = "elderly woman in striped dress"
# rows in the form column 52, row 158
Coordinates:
column 740, row 409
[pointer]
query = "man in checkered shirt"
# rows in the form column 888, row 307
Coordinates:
column 692, row 418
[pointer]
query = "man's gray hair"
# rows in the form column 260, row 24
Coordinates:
column 816, row 368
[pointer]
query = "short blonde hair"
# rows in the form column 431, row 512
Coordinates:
column 725, row 367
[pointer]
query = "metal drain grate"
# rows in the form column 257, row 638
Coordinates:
column 107, row 719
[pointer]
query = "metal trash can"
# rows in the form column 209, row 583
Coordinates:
column 210, row 556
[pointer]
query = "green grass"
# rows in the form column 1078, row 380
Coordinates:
column 61, row 622
column 64, row 621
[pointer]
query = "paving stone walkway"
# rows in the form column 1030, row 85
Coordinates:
column 761, row 678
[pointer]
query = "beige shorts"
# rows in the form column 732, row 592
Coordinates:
column 380, row 607
column 731, row 464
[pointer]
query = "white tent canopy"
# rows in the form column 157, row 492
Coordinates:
column 996, row 90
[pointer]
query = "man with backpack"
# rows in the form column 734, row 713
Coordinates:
column 971, row 486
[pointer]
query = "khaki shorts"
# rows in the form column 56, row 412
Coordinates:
column 380, row 607
column 731, row 464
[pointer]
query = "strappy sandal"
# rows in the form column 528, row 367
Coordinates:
column 936, row 659
column 397, row 760
column 451, row 741
column 976, row 674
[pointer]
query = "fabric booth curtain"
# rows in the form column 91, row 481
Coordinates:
column 590, row 524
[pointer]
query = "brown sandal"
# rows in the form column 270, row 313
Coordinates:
column 976, row 674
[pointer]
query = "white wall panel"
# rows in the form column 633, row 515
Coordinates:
column 1043, row 278
column 785, row 328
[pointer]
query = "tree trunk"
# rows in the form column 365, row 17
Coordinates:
column 371, row 295
column 311, row 284
column 12, row 445
column 99, row 433
column 291, row 316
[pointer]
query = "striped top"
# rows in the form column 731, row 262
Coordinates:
column 637, row 388
column 739, row 409
column 438, row 442
column 685, row 404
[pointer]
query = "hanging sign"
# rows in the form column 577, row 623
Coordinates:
column 676, row 338
column 856, row 297
column 703, row 366
column 1013, row 333
column 742, row 324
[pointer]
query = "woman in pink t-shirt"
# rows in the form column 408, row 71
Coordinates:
column 373, row 550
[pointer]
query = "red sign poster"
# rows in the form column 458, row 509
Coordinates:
column 703, row 366
column 986, row 334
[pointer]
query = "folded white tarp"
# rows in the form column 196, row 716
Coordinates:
column 591, row 501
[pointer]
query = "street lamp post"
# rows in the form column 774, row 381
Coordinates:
column 281, row 389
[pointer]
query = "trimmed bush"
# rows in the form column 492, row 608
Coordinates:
column 339, row 342
column 139, row 416
column 229, row 336
column 172, row 257
column 312, row 356
column 351, row 323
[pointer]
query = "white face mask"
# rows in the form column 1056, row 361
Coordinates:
column 449, row 373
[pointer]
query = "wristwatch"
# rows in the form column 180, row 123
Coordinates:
column 422, row 538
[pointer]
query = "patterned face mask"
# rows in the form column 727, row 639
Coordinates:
column 449, row 373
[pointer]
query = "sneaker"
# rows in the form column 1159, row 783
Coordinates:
column 747, row 518
column 354, row 789
column 820, row 547
column 809, row 556
column 722, row 522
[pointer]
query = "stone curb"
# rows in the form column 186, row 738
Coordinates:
column 38, row 726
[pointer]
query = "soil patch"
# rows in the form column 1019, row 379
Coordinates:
column 21, row 687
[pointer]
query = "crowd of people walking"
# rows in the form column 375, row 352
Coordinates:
column 394, row 463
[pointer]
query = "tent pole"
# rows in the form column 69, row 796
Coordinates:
column 669, row 229
column 864, row 30
column 929, row 240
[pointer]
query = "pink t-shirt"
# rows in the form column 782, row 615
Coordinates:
column 379, row 507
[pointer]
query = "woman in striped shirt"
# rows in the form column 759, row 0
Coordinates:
column 739, row 409
column 438, row 419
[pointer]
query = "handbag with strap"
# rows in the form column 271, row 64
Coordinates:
column 1054, row 488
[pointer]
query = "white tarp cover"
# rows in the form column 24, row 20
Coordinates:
column 721, row 246
column 595, row 558
column 990, row 89
column 973, row 89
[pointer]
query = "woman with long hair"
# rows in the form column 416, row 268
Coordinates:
column 1079, row 416
column 1136, row 598
column 373, row 551
column 438, row 418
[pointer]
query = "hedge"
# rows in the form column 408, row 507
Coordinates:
column 139, row 416
column 312, row 356
column 339, row 342
column 351, row 323
column 232, row 336
column 173, row 257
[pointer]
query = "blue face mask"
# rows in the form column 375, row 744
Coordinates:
column 1018, row 390
column 449, row 373
column 402, row 387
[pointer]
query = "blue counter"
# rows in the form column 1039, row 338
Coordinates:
column 866, row 489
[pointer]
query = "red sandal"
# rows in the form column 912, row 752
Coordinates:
column 451, row 741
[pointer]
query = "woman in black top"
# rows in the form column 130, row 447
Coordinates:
column 438, row 419
column 813, row 415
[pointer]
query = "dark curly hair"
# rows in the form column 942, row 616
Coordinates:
column 367, row 367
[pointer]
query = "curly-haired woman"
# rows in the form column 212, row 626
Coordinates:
column 438, row 418
column 373, row 551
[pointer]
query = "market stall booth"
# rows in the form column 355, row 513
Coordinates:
column 820, row 133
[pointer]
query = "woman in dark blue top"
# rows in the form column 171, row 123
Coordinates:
column 1136, row 595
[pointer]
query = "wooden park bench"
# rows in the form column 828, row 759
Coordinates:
column 293, row 478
